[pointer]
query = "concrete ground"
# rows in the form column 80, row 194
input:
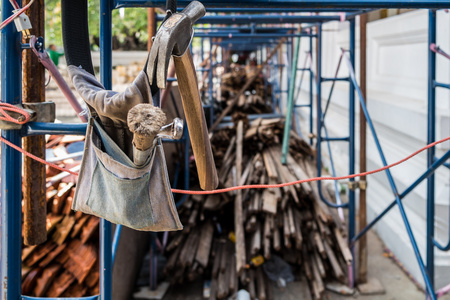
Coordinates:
column 397, row 284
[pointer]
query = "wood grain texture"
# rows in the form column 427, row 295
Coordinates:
column 195, row 118
column 35, row 209
column 238, row 214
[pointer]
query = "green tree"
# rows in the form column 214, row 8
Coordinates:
column 132, row 22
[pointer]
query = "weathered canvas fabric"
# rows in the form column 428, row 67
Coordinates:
column 110, row 185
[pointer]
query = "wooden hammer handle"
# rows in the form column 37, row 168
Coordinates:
column 195, row 118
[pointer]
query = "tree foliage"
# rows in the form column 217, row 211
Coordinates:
column 125, row 23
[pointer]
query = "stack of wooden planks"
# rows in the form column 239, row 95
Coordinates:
column 227, row 237
column 254, row 99
column 67, row 264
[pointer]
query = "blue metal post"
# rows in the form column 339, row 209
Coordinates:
column 319, row 100
column 351, row 150
column 210, row 85
column 106, row 79
column 311, row 80
column 431, row 138
column 11, row 164
column 290, row 104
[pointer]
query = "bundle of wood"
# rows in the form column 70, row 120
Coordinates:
column 67, row 264
column 227, row 237
column 256, row 99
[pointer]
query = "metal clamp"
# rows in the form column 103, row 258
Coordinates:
column 361, row 184
column 173, row 131
column 39, row 112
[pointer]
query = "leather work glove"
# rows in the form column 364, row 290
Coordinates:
column 112, row 107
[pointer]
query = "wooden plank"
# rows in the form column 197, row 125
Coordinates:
column 82, row 259
column 270, row 202
column 270, row 165
column 217, row 259
column 245, row 87
column 256, row 240
column 46, row 279
column 238, row 216
column 260, row 285
column 346, row 253
column 338, row 273
column 204, row 245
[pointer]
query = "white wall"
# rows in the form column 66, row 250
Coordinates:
column 397, row 101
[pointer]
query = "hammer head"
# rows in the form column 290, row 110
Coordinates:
column 172, row 38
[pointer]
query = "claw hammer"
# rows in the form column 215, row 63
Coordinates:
column 173, row 39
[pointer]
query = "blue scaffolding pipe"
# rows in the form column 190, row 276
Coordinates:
column 243, row 29
column 106, row 80
column 423, row 270
column 97, row 297
column 431, row 137
column 231, row 35
column 281, row 10
column 11, row 164
column 262, row 19
column 304, row 4
column 422, row 177
column 39, row 128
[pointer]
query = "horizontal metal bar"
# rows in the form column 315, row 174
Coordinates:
column 326, row 79
column 261, row 19
column 243, row 29
column 335, row 139
column 304, row 4
column 97, row 297
column 257, row 116
column 304, row 69
column 302, row 105
column 249, row 35
column 278, row 10
column 171, row 79
column 441, row 85
column 38, row 128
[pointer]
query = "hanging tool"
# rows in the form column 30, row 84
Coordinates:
column 173, row 39
column 146, row 122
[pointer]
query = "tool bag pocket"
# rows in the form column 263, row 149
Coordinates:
column 112, row 187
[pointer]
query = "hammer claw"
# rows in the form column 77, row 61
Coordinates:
column 171, row 39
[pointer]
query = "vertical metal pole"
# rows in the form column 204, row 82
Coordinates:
column 106, row 79
column 431, row 138
column 290, row 104
column 319, row 98
column 34, row 191
column 363, row 255
column 351, row 150
column 11, row 164
column 311, row 80
column 210, row 84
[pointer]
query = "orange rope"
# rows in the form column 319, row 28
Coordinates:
column 4, row 107
column 224, row 190
column 272, row 186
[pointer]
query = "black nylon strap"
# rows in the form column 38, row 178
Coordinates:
column 74, row 15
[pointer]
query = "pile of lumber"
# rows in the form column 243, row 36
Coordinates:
column 67, row 264
column 255, row 99
column 229, row 237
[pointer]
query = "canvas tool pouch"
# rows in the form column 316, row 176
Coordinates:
column 110, row 185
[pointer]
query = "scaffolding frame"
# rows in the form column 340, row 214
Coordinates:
column 11, row 160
